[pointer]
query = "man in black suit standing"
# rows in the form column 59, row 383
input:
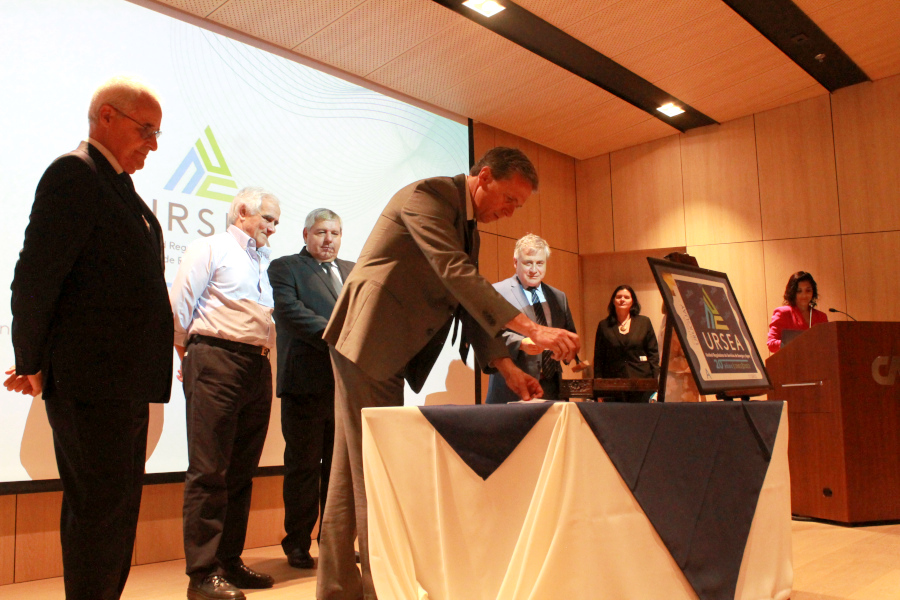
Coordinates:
column 306, row 286
column 92, row 331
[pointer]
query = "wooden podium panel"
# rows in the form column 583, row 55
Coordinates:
column 843, row 397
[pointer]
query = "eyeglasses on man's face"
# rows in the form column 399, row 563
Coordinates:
column 147, row 131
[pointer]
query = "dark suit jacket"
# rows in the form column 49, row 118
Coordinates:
column 304, row 299
column 89, row 300
column 617, row 355
column 396, row 307
column 561, row 317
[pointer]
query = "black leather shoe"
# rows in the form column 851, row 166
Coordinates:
column 243, row 576
column 213, row 587
column 300, row 559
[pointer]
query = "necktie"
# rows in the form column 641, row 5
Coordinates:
column 473, row 240
column 471, row 243
column 549, row 367
column 331, row 271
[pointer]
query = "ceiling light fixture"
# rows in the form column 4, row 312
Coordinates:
column 488, row 8
column 670, row 110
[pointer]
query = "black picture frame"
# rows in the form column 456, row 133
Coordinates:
column 710, row 325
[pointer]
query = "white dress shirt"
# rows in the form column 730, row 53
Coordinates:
column 222, row 290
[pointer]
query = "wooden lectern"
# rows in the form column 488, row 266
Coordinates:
column 841, row 381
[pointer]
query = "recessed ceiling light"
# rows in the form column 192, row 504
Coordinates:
column 488, row 8
column 670, row 110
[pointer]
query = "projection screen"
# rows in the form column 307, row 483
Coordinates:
column 234, row 115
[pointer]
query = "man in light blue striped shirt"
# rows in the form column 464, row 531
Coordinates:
column 222, row 304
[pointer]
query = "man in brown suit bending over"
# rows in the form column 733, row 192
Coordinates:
column 416, row 270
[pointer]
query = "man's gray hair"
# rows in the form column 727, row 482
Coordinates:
column 322, row 214
column 251, row 198
column 121, row 92
column 529, row 241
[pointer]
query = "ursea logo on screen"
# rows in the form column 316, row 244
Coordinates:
column 195, row 200
column 204, row 170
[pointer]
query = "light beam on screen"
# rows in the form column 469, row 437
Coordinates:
column 233, row 115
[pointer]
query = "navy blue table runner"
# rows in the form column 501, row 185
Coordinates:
column 695, row 469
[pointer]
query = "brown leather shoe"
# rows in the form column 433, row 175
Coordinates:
column 213, row 587
column 244, row 577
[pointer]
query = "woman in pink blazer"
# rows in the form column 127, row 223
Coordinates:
column 798, row 312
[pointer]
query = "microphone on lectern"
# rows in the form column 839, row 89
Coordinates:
column 840, row 311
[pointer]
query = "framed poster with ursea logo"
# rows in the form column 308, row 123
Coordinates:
column 709, row 323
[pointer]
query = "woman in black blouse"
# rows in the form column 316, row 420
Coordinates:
column 625, row 345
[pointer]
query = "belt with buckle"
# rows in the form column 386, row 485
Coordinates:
column 229, row 345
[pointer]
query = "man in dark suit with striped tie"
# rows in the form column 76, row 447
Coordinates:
column 92, row 330
column 542, row 304
column 305, row 287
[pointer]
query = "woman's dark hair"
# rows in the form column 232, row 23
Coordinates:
column 790, row 290
column 635, row 305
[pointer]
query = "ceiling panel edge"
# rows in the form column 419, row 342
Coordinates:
column 161, row 7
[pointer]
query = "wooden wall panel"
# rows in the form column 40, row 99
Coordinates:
column 528, row 218
column 484, row 138
column 721, row 192
column 505, row 249
column 648, row 208
column 7, row 539
column 821, row 256
column 266, row 524
column 797, row 178
column 488, row 266
column 870, row 274
column 744, row 265
column 602, row 273
column 38, row 552
column 488, row 260
column 559, row 216
column 867, row 147
column 594, row 205
column 564, row 273
column 159, row 532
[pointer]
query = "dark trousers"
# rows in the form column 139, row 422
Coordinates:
column 307, row 423
column 228, row 396
column 100, row 452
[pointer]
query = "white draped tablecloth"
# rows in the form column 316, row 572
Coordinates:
column 554, row 521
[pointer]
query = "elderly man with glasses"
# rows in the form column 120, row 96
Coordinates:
column 92, row 331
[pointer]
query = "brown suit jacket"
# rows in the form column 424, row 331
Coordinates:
column 396, row 307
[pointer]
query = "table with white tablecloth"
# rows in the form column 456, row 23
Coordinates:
column 579, row 501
